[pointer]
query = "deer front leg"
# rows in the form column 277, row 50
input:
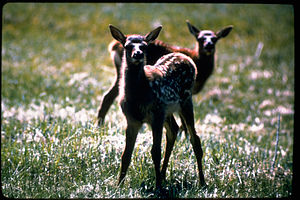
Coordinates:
column 187, row 114
column 172, row 130
column 131, row 134
column 157, row 127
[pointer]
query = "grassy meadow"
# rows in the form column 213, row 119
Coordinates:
column 56, row 68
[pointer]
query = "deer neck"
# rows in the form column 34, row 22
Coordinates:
column 207, row 60
column 205, row 67
column 136, row 83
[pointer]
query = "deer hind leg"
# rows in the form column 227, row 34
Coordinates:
column 187, row 114
column 183, row 128
column 109, row 97
column 107, row 101
column 172, row 130
column 131, row 134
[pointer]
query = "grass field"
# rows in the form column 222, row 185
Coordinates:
column 56, row 68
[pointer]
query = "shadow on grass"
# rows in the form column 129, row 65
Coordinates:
column 170, row 189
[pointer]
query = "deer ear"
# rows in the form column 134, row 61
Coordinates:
column 117, row 34
column 153, row 34
column 224, row 32
column 194, row 31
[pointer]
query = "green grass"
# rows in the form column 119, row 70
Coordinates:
column 56, row 68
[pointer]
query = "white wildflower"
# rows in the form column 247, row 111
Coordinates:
column 256, row 128
column 266, row 103
column 39, row 136
column 257, row 74
column 212, row 118
column 284, row 110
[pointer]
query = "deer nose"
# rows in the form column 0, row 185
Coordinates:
column 209, row 45
column 138, row 54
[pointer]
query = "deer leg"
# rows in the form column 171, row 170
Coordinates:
column 183, row 127
column 157, row 127
column 131, row 134
column 107, row 102
column 109, row 98
column 172, row 130
column 188, row 116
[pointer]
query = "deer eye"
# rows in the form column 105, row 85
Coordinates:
column 201, row 39
column 214, row 39
column 128, row 47
column 143, row 47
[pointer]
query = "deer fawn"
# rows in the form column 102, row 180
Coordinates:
column 151, row 94
column 202, row 55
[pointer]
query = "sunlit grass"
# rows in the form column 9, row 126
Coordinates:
column 56, row 68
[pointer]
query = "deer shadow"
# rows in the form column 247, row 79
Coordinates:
column 169, row 190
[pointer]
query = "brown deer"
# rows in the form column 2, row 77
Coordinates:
column 152, row 93
column 202, row 55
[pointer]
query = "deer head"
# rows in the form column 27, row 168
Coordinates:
column 207, row 39
column 135, row 45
